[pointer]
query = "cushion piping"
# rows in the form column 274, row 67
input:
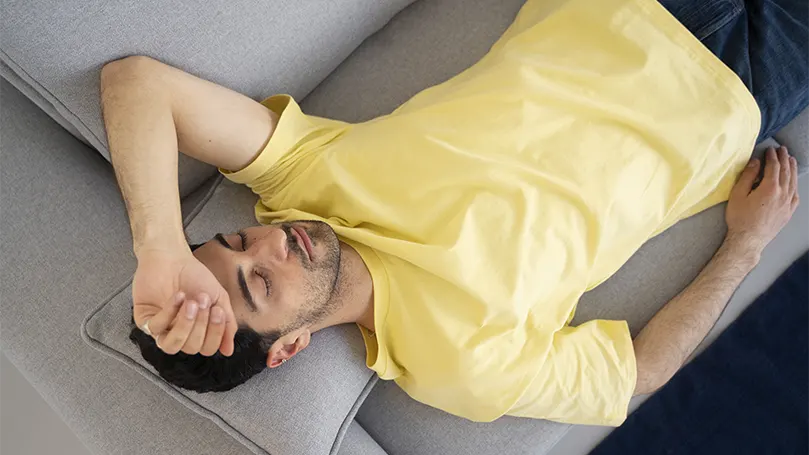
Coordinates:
column 196, row 407
column 338, row 438
column 72, row 118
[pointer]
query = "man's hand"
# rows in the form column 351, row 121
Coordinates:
column 186, row 307
column 755, row 216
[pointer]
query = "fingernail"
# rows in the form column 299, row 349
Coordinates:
column 191, row 311
column 179, row 297
column 204, row 301
column 216, row 315
column 752, row 163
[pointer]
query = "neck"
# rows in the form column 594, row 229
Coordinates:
column 354, row 295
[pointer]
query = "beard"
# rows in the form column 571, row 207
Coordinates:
column 323, row 273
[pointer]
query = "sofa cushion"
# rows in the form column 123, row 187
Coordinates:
column 257, row 48
column 65, row 247
column 303, row 408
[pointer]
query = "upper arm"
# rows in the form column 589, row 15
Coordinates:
column 213, row 124
column 588, row 376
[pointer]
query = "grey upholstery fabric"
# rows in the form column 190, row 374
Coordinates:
column 65, row 248
column 358, row 442
column 301, row 408
column 425, row 44
column 256, row 48
column 796, row 137
column 402, row 425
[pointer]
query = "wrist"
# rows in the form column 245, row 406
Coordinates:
column 167, row 241
column 745, row 248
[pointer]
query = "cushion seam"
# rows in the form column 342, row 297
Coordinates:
column 349, row 418
column 53, row 100
column 203, row 202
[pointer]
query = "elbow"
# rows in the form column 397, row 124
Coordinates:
column 135, row 69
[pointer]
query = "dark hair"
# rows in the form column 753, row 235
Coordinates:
column 216, row 373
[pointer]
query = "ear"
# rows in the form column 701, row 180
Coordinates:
column 287, row 346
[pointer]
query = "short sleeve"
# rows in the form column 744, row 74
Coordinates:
column 587, row 378
column 294, row 135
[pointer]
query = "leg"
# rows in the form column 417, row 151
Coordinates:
column 766, row 42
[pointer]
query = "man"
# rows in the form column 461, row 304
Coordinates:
column 460, row 231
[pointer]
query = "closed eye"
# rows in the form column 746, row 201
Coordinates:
column 266, row 280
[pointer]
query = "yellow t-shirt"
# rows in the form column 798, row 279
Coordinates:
column 485, row 206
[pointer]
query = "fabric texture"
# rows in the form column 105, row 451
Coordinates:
column 358, row 442
column 65, row 248
column 303, row 408
column 255, row 48
column 745, row 394
column 438, row 197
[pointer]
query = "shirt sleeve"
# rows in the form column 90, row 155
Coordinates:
column 294, row 135
column 588, row 377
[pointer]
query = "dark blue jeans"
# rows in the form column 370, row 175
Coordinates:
column 765, row 42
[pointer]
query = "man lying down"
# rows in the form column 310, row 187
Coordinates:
column 459, row 232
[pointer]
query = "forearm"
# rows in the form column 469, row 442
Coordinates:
column 153, row 111
column 676, row 330
column 143, row 147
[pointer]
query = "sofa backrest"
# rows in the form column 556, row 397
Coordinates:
column 53, row 51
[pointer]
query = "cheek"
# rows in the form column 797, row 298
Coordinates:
column 297, row 290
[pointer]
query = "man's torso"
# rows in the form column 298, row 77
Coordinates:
column 484, row 207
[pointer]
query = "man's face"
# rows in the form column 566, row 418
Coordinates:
column 278, row 277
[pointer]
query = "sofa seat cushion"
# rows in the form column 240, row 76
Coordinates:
column 56, row 49
column 302, row 408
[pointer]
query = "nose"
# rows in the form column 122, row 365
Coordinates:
column 272, row 246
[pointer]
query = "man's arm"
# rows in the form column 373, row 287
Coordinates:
column 151, row 110
column 754, row 217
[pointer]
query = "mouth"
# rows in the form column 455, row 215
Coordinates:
column 303, row 241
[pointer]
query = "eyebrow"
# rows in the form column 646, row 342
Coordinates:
column 251, row 305
column 245, row 291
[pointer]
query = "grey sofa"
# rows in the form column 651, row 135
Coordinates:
column 66, row 249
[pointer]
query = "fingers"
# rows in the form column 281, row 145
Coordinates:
column 197, row 336
column 785, row 168
column 230, row 326
column 173, row 341
column 772, row 170
column 216, row 329
column 747, row 179
column 160, row 322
